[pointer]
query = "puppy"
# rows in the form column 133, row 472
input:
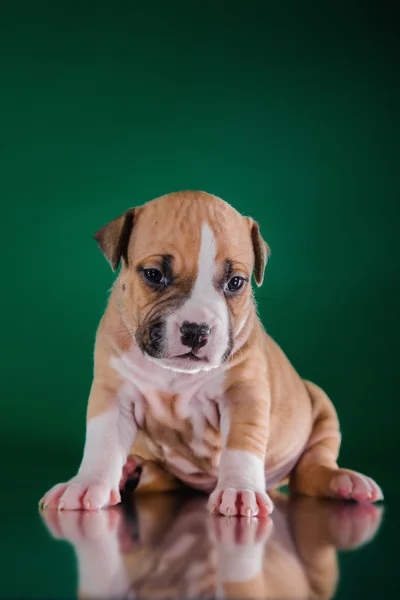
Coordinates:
column 187, row 380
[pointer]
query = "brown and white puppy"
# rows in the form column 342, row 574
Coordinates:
column 186, row 379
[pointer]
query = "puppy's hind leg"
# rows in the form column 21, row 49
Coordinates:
column 146, row 476
column 317, row 472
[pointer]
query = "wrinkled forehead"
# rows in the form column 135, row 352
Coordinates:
column 190, row 232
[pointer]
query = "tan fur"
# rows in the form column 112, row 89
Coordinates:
column 273, row 413
column 247, row 376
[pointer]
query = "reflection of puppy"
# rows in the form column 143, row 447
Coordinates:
column 173, row 558
column 185, row 376
column 300, row 557
column 165, row 546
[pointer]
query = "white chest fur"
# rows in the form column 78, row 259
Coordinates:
column 197, row 396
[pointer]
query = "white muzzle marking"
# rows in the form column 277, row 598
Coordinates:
column 204, row 306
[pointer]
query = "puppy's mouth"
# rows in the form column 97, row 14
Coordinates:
column 192, row 356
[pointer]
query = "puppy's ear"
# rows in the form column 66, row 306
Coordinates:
column 113, row 238
column 261, row 251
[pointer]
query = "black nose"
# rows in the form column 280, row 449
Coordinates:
column 194, row 335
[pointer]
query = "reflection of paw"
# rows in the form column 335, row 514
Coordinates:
column 352, row 526
column 240, row 545
column 231, row 502
column 80, row 493
column 77, row 527
column 94, row 537
column 240, row 532
column 350, row 485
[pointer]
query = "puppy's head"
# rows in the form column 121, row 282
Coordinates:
column 184, row 289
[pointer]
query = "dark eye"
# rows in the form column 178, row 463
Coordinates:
column 235, row 283
column 153, row 276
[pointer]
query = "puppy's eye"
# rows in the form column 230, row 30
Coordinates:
column 236, row 283
column 153, row 276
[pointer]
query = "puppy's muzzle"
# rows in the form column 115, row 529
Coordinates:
column 194, row 335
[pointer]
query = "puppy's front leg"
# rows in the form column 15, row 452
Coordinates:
column 110, row 433
column 241, row 488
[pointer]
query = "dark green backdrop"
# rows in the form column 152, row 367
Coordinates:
column 288, row 112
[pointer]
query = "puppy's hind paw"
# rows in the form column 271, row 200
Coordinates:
column 350, row 485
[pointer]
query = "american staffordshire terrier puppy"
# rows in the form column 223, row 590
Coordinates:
column 188, row 387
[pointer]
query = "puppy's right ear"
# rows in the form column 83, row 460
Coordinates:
column 113, row 238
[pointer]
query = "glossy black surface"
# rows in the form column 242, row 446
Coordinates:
column 168, row 546
column 169, row 543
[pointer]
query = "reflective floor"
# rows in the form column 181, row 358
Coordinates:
column 167, row 546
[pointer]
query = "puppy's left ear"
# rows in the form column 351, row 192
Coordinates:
column 261, row 251
column 113, row 238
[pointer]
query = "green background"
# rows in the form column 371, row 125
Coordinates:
column 288, row 112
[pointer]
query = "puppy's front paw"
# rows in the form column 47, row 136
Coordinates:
column 80, row 493
column 247, row 503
